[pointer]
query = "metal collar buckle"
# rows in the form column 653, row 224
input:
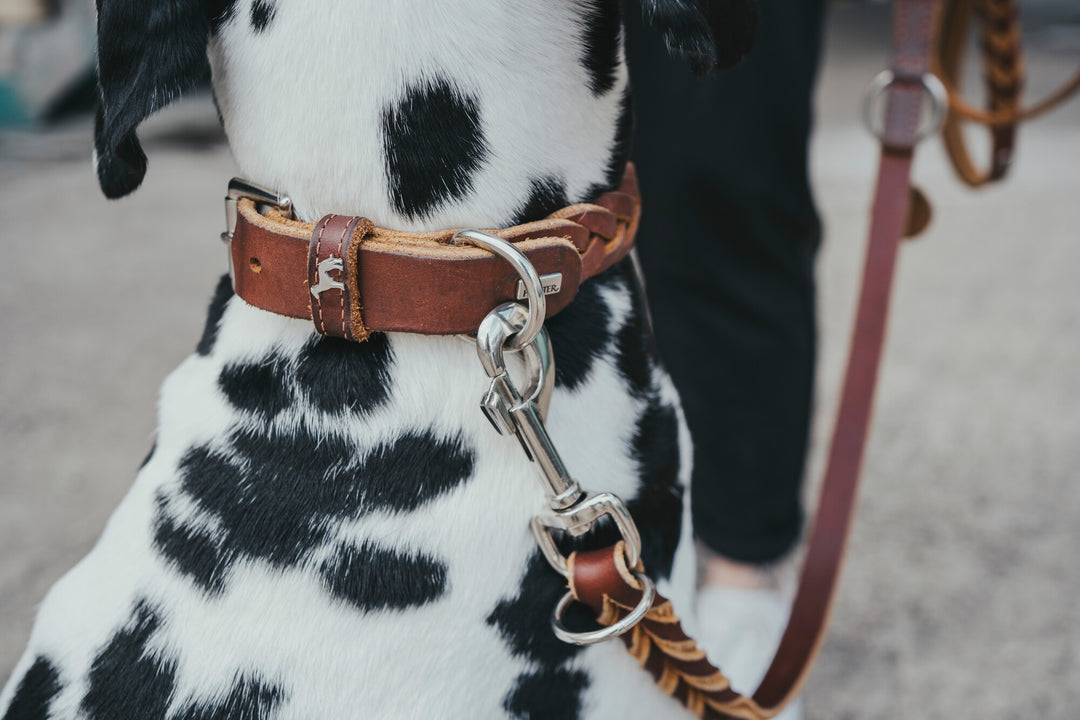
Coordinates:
column 241, row 188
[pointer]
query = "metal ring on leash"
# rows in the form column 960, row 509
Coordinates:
column 534, row 289
column 939, row 103
column 501, row 325
column 620, row 627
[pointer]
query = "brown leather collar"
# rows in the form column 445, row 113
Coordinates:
column 351, row 278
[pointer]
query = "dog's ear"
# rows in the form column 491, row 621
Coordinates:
column 149, row 52
column 710, row 34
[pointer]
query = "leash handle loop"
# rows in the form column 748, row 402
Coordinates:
column 1004, row 75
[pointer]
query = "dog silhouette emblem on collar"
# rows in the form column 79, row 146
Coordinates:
column 326, row 267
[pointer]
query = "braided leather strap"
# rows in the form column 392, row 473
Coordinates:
column 1003, row 69
column 601, row 580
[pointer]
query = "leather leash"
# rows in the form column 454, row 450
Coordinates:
column 1003, row 69
column 601, row 578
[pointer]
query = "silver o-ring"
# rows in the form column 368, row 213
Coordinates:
column 537, row 304
column 624, row 625
column 939, row 103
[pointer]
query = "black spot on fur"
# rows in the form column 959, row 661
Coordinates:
column 35, row 692
column 261, row 387
column 637, row 352
column 409, row 472
column 221, row 12
column 546, row 195
column 522, row 623
column 338, row 375
column 434, row 145
column 131, row 679
column 262, row 13
column 579, row 335
column 127, row 679
column 255, row 503
column 658, row 506
column 633, row 359
column 276, row 496
column 374, row 578
column 248, row 699
column 548, row 694
column 603, row 31
column 708, row 33
column 191, row 550
column 222, row 294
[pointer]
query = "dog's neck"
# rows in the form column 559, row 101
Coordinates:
column 426, row 115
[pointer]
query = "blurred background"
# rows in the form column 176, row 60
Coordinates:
column 961, row 596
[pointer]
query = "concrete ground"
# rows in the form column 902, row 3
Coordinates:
column 960, row 597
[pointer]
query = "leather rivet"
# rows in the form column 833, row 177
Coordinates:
column 256, row 266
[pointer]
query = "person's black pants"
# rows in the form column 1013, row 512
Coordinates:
column 728, row 237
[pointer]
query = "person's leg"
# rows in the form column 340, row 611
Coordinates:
column 728, row 238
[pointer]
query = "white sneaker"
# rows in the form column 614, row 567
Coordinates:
column 740, row 629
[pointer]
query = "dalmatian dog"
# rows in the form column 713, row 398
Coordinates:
column 326, row 529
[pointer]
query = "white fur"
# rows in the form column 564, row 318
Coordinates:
column 302, row 105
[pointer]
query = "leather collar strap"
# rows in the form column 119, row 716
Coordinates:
column 600, row 578
column 351, row 278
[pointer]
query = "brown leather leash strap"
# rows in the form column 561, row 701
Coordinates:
column 600, row 578
column 1003, row 69
column 351, row 278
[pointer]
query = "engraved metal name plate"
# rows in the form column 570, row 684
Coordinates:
column 551, row 283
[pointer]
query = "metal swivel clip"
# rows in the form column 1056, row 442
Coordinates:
column 519, row 327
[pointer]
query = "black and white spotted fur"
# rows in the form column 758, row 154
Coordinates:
column 332, row 530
